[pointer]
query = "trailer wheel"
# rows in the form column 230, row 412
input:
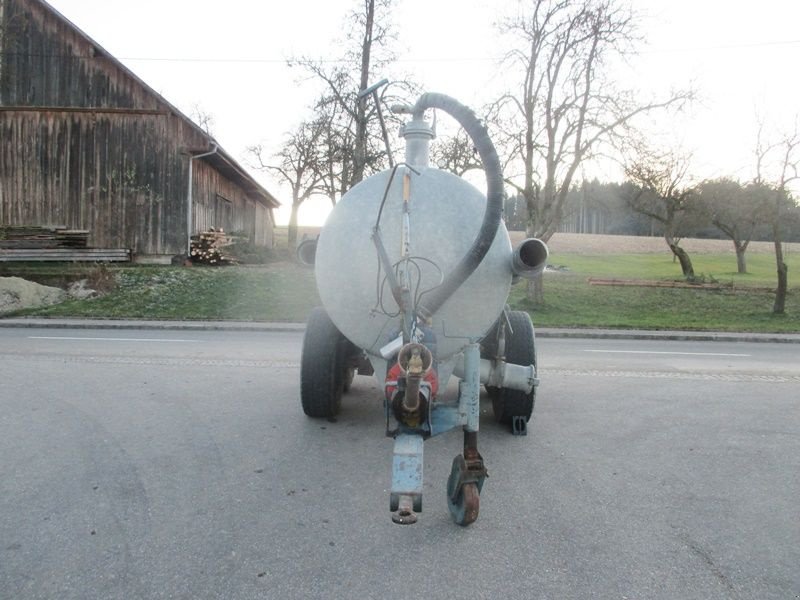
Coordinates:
column 348, row 375
column 520, row 349
column 324, row 366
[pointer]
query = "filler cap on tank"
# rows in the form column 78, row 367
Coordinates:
column 418, row 134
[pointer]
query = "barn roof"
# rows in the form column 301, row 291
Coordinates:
column 221, row 160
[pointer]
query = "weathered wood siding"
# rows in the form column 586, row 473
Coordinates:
column 86, row 145
column 110, row 174
column 264, row 226
column 46, row 62
column 218, row 202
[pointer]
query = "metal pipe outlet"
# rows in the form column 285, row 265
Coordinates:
column 529, row 258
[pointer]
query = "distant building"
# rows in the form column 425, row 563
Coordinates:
column 86, row 144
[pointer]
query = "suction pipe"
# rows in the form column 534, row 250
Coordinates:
column 494, row 197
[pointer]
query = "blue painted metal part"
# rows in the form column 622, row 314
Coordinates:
column 407, row 469
column 467, row 411
column 445, row 416
column 469, row 389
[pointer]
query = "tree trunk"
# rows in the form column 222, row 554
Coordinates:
column 780, row 293
column 292, row 229
column 360, row 149
column 741, row 262
column 683, row 258
column 535, row 290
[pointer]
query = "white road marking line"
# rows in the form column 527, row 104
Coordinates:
column 165, row 361
column 659, row 352
column 107, row 339
column 680, row 375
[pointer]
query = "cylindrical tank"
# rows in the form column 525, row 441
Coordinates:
column 445, row 214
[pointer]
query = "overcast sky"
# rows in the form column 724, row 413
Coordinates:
column 743, row 57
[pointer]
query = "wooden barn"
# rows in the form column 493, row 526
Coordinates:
column 87, row 145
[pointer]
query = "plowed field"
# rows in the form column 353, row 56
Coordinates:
column 587, row 243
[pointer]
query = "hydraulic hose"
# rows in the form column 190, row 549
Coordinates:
column 494, row 198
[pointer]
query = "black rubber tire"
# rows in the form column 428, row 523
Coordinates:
column 490, row 351
column 347, row 378
column 520, row 349
column 323, row 365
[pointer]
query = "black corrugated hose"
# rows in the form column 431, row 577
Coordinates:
column 494, row 198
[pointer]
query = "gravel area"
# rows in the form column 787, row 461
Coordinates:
column 17, row 293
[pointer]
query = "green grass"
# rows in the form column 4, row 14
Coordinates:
column 570, row 301
column 284, row 291
column 744, row 303
column 276, row 292
column 722, row 267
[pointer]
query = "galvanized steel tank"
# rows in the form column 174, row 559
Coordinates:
column 444, row 216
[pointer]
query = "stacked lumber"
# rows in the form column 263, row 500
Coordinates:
column 72, row 238
column 33, row 244
column 656, row 283
column 42, row 237
column 65, row 255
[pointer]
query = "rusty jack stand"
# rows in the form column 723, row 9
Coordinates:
column 468, row 471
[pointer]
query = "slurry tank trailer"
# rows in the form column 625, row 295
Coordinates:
column 414, row 267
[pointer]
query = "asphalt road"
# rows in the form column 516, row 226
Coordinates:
column 166, row 464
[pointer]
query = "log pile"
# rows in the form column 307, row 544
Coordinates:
column 208, row 248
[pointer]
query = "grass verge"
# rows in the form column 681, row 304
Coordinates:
column 570, row 301
column 274, row 292
column 284, row 291
column 743, row 303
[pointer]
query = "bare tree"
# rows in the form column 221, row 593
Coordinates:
column 736, row 210
column 784, row 154
column 663, row 195
column 203, row 118
column 456, row 154
column 355, row 141
column 298, row 164
column 338, row 147
column 565, row 106
column 334, row 149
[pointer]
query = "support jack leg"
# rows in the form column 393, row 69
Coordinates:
column 468, row 472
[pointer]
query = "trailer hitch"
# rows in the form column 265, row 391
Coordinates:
column 405, row 499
